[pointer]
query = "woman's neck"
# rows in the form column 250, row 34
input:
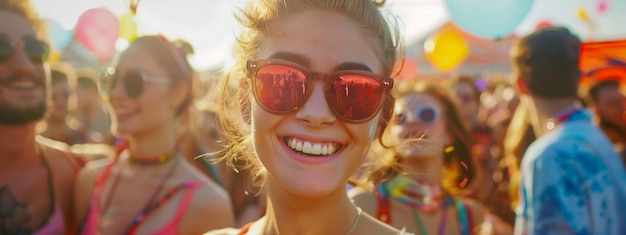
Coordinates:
column 425, row 169
column 152, row 144
column 289, row 214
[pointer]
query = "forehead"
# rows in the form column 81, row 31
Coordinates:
column 609, row 93
column 15, row 26
column 326, row 38
column 138, row 58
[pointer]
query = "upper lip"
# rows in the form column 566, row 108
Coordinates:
column 313, row 139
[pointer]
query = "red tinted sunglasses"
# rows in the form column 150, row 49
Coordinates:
column 281, row 87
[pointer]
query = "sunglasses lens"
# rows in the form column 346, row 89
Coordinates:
column 280, row 88
column 427, row 114
column 37, row 50
column 133, row 84
column 6, row 49
column 354, row 96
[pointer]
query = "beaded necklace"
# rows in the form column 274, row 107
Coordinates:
column 426, row 197
column 152, row 161
column 397, row 187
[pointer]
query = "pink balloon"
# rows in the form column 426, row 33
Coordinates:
column 602, row 6
column 97, row 30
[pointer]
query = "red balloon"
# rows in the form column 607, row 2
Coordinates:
column 543, row 24
column 97, row 30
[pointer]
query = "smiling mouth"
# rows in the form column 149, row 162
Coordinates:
column 22, row 85
column 307, row 148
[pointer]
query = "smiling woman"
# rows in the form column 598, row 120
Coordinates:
column 314, row 77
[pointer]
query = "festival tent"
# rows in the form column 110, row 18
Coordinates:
column 603, row 60
column 483, row 56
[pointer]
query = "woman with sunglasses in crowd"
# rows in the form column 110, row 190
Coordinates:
column 424, row 195
column 148, row 188
column 302, row 65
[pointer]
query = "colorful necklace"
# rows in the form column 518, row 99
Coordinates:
column 426, row 197
column 422, row 227
column 153, row 161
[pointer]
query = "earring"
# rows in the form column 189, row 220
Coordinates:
column 449, row 149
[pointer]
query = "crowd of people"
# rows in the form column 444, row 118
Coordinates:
column 336, row 147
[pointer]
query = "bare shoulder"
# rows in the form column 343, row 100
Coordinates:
column 86, row 177
column 365, row 199
column 59, row 157
column 210, row 208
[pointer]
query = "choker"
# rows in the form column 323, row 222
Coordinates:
column 421, row 195
column 153, row 161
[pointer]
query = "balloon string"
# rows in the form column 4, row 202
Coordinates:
column 133, row 6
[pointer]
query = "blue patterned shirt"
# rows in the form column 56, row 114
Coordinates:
column 573, row 182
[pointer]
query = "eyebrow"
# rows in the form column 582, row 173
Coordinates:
column 293, row 57
column 306, row 62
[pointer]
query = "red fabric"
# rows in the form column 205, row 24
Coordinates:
column 602, row 60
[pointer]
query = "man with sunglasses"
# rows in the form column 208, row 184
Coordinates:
column 36, row 180
column 572, row 181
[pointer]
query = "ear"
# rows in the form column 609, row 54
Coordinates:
column 179, row 94
column 244, row 106
column 521, row 86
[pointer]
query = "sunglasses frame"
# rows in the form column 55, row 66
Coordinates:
column 23, row 42
column 112, row 77
column 416, row 113
column 253, row 66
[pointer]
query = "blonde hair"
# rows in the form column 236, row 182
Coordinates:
column 256, row 18
column 455, row 178
column 25, row 9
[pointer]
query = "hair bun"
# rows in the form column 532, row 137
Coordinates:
column 184, row 47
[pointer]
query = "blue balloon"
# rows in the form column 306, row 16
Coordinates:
column 59, row 36
column 494, row 19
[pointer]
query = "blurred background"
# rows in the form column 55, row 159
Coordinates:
column 442, row 37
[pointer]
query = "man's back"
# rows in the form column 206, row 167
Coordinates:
column 573, row 183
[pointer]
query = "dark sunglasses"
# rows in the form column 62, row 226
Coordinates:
column 281, row 87
column 133, row 82
column 36, row 49
column 425, row 114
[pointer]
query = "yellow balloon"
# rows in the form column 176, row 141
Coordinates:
column 128, row 27
column 582, row 14
column 446, row 50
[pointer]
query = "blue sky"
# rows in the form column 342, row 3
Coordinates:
column 209, row 25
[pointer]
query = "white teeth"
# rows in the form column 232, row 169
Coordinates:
column 317, row 149
column 306, row 147
column 311, row 148
column 299, row 145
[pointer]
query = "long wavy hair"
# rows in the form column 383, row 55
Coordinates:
column 257, row 17
column 458, row 164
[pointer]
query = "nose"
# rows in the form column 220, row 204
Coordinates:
column 315, row 110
